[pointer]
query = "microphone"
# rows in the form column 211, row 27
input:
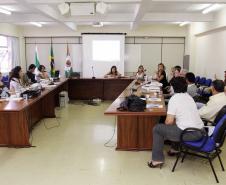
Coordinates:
column 93, row 73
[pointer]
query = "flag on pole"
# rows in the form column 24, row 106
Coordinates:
column 37, row 63
column 68, row 57
column 52, row 64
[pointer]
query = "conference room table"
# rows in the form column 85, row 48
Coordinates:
column 103, row 88
column 18, row 117
column 134, row 129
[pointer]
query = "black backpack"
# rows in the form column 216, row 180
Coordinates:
column 132, row 103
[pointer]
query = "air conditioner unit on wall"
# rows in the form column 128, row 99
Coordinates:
column 78, row 9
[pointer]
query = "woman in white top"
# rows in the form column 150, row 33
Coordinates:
column 15, row 80
column 113, row 73
column 41, row 73
column 140, row 73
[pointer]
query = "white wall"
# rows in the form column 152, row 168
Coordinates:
column 207, row 46
column 135, row 54
column 146, row 51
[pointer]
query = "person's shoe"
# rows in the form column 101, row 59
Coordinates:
column 151, row 165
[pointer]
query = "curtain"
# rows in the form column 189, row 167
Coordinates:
column 14, row 51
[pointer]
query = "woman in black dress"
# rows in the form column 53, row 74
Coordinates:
column 161, row 75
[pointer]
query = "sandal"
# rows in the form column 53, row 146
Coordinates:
column 151, row 165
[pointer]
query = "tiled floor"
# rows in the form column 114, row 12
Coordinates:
column 74, row 154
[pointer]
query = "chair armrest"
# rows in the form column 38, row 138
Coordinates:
column 202, row 131
column 207, row 121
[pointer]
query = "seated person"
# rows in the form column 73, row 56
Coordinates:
column 192, row 88
column 225, row 78
column 140, row 73
column 68, row 69
column 30, row 74
column 168, row 91
column 113, row 73
column 41, row 73
column 161, row 75
column 182, row 113
column 15, row 80
column 1, row 82
column 215, row 103
column 183, row 72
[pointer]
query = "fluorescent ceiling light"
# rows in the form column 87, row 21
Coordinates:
column 211, row 8
column 98, row 24
column 183, row 23
column 36, row 24
column 5, row 11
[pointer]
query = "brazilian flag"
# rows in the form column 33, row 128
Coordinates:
column 52, row 64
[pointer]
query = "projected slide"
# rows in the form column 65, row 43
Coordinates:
column 106, row 50
column 101, row 52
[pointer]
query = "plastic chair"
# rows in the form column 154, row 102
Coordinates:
column 197, row 78
column 202, row 81
column 208, row 82
column 208, row 147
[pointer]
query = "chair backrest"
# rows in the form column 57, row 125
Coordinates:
column 219, row 131
column 197, row 78
column 220, row 114
column 208, row 82
column 202, row 81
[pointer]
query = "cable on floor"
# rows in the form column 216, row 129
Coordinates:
column 106, row 144
column 55, row 126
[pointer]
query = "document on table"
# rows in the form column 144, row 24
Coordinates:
column 152, row 105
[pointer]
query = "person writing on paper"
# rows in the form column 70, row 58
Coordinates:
column 182, row 113
column 15, row 80
column 41, row 73
column 68, row 69
column 140, row 73
column 113, row 73
column 161, row 75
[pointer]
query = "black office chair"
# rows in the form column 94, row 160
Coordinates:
column 208, row 147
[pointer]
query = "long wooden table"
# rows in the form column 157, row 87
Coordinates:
column 134, row 129
column 103, row 88
column 17, row 118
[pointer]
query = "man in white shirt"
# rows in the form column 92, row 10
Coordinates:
column 182, row 113
column 215, row 103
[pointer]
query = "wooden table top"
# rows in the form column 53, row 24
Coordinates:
column 112, row 109
column 14, row 106
column 120, row 78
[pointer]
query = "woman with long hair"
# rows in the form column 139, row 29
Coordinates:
column 113, row 73
column 15, row 80
column 140, row 73
column 161, row 75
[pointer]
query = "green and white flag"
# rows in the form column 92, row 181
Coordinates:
column 37, row 63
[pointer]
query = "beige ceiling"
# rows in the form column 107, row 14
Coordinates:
column 132, row 13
